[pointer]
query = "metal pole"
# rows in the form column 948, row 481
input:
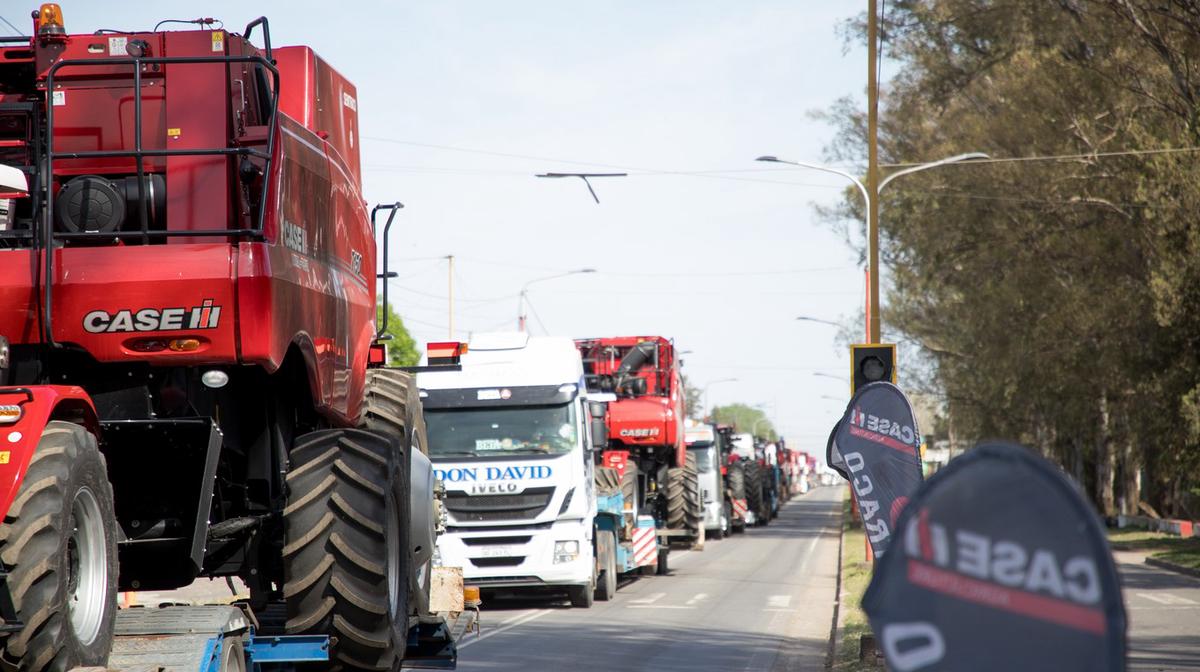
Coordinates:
column 450, row 281
column 873, row 171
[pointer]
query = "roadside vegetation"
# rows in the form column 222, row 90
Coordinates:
column 856, row 574
column 1048, row 294
column 1169, row 548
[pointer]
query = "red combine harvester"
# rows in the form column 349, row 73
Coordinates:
column 645, row 429
column 187, row 321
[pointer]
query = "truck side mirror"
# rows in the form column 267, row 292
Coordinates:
column 596, row 409
column 599, row 434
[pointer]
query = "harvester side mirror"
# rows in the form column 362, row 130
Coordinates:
column 14, row 183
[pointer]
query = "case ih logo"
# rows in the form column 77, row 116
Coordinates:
column 204, row 316
column 640, row 432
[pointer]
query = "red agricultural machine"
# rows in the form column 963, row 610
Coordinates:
column 187, row 326
column 645, row 430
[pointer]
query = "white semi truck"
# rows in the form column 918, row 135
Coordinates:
column 512, row 437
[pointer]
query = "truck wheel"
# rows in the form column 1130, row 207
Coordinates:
column 59, row 542
column 345, row 556
column 582, row 597
column 663, row 568
column 606, row 585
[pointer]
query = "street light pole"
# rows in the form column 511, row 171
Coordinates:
column 704, row 394
column 872, row 307
column 522, row 318
column 873, row 169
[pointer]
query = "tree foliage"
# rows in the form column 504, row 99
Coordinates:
column 402, row 349
column 745, row 419
column 1056, row 301
column 693, row 399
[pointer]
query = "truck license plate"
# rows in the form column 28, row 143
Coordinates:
column 499, row 551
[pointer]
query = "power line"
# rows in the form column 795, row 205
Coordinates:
column 10, row 25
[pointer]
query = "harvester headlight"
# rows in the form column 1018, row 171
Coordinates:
column 50, row 20
column 565, row 551
column 9, row 413
column 215, row 379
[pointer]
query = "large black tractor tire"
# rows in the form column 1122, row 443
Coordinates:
column 59, row 544
column 735, row 477
column 629, row 488
column 684, row 503
column 754, row 490
column 392, row 407
column 346, row 546
column 608, row 481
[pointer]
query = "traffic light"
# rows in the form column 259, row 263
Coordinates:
column 871, row 362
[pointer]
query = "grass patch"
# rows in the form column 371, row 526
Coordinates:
column 1157, row 545
column 856, row 574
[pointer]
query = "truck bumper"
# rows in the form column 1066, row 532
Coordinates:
column 519, row 556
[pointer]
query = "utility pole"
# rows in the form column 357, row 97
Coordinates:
column 450, row 283
column 873, row 171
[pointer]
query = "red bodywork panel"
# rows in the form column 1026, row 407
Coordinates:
column 651, row 419
column 306, row 283
column 39, row 404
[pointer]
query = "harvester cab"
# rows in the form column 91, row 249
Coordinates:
column 187, row 314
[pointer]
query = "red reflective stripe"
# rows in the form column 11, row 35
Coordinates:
column 1015, row 601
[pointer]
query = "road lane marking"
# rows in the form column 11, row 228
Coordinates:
column 779, row 601
column 1167, row 598
column 698, row 597
column 649, row 599
column 657, row 606
column 510, row 624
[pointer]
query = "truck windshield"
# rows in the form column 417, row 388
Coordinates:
column 704, row 457
column 498, row 430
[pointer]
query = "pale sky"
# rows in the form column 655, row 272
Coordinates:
column 721, row 261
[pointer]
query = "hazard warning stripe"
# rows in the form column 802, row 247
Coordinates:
column 739, row 508
column 644, row 545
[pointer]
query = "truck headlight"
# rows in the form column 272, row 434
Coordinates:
column 565, row 551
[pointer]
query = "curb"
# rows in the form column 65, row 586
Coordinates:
column 831, row 653
column 1169, row 566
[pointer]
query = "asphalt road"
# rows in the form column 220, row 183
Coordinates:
column 1163, row 609
column 758, row 601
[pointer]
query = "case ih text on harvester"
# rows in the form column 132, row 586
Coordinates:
column 190, row 379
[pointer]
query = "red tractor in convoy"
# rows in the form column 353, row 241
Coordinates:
column 645, row 431
column 187, row 336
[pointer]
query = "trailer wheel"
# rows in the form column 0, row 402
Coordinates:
column 346, row 535
column 736, row 477
column 663, row 568
column 59, row 542
column 629, row 488
column 606, row 584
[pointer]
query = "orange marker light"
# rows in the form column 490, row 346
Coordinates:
column 50, row 20
column 184, row 344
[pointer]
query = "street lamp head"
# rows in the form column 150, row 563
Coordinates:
column 770, row 159
column 586, row 270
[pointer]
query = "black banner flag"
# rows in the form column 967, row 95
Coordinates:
column 998, row 564
column 877, row 447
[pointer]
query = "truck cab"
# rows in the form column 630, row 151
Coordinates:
column 510, row 437
column 704, row 442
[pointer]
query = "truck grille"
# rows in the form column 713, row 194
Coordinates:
column 484, row 563
column 488, row 508
column 496, row 541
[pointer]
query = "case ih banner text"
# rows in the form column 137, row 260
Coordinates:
column 999, row 564
column 877, row 447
